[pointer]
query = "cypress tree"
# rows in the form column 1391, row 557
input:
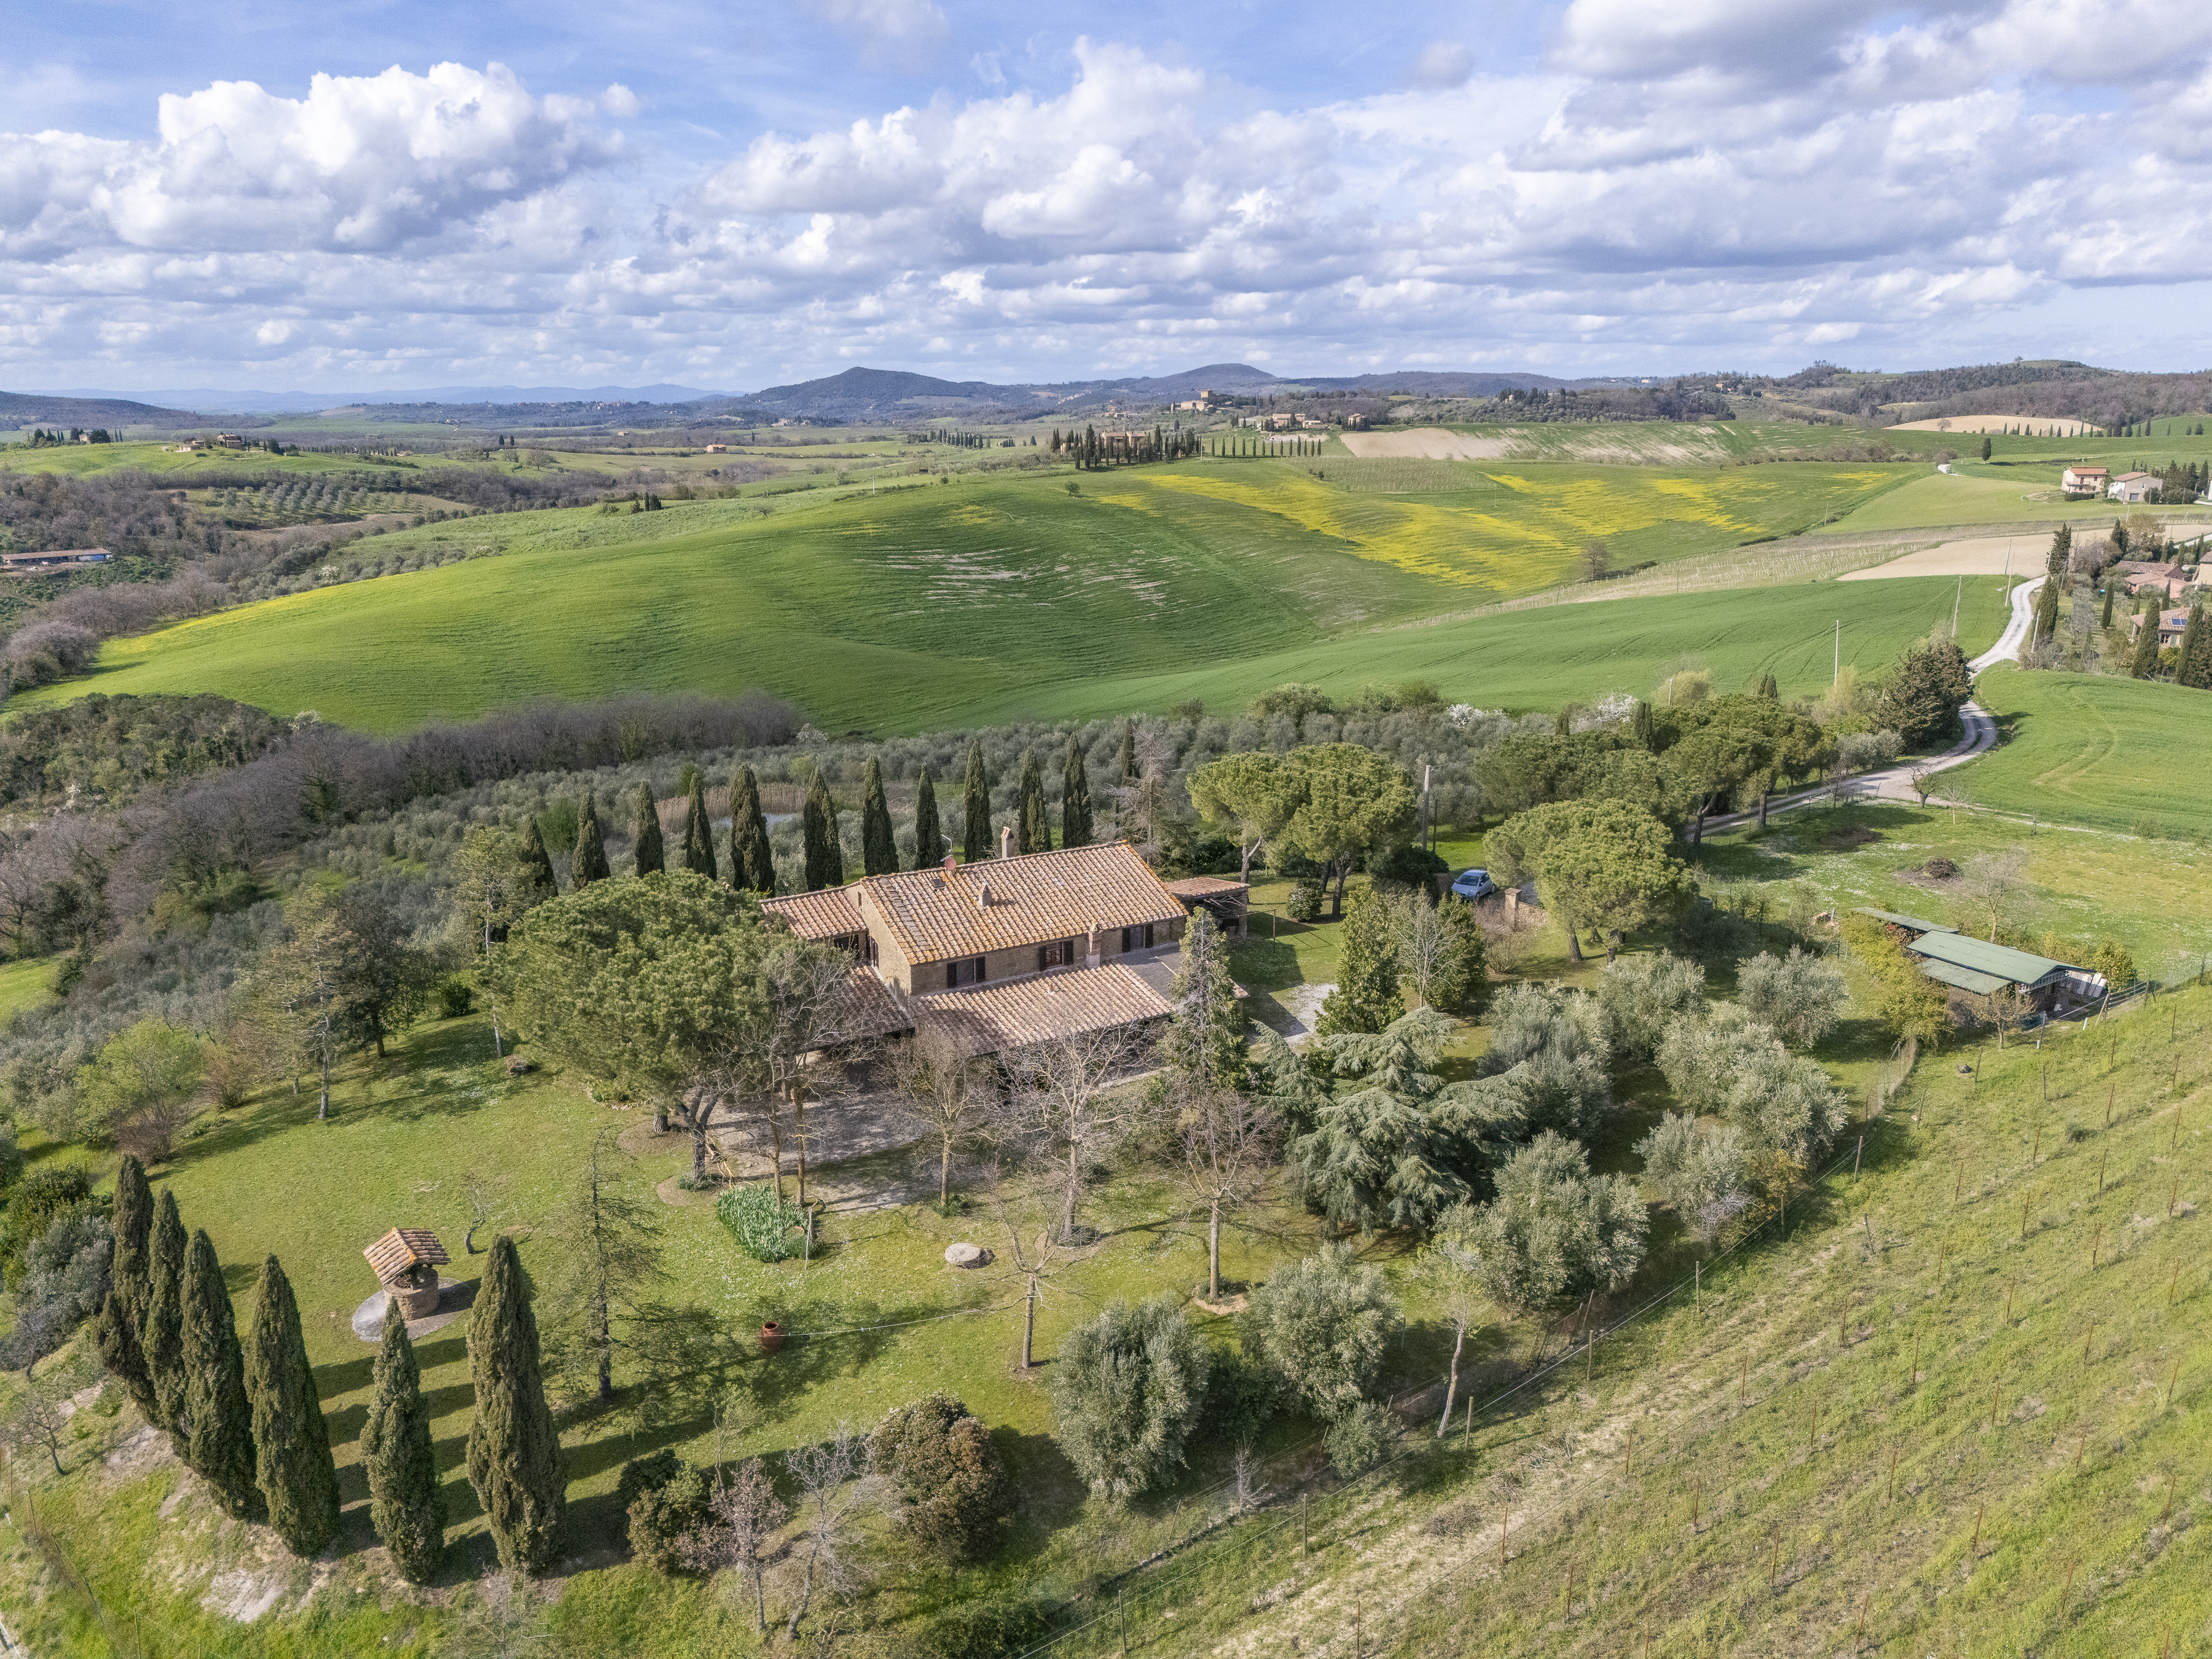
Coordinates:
column 538, row 865
column 217, row 1426
column 1768, row 690
column 123, row 1310
column 291, row 1445
column 975, row 792
column 652, row 858
column 590, row 863
column 2143, row 665
column 1032, row 828
column 752, row 865
column 2062, row 546
column 1125, row 763
column 1075, row 797
column 699, row 831
column 878, row 846
column 406, row 1503
column 2195, row 670
column 928, row 837
column 2109, row 587
column 514, row 1456
column 161, row 1334
column 818, row 821
column 1639, row 725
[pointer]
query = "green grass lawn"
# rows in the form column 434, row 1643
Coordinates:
column 935, row 605
column 2096, row 749
column 1977, row 495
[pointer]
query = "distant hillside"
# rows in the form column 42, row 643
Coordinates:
column 2056, row 388
column 21, row 409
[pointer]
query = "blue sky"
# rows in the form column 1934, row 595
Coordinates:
column 391, row 195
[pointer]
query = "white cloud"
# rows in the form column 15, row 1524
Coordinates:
column 1444, row 63
column 1737, row 181
column 891, row 33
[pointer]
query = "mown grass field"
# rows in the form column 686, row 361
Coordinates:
column 939, row 603
column 2112, row 753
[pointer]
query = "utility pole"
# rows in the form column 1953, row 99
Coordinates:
column 1838, row 677
column 1428, row 831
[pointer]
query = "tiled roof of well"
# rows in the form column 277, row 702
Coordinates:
column 936, row 915
column 401, row 1248
column 1204, row 887
column 827, row 914
column 990, row 1018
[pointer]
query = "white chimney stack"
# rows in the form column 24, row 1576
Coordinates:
column 983, row 897
column 1006, row 841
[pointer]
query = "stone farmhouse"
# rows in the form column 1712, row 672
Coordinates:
column 1011, row 951
column 2084, row 480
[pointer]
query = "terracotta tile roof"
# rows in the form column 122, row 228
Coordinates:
column 1204, row 887
column 936, row 915
column 826, row 914
column 990, row 1018
column 401, row 1248
column 872, row 1009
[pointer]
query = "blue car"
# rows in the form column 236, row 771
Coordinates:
column 1472, row 885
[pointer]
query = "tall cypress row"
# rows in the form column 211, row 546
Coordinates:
column 123, row 1310
column 878, row 845
column 218, row 1422
column 976, row 797
column 406, row 1503
column 590, row 863
column 752, row 866
column 514, row 1456
column 699, row 831
column 291, row 1444
column 1032, row 828
column 1075, row 797
column 1125, row 762
column 161, row 1334
column 652, row 858
column 928, row 835
column 537, row 879
column 824, row 850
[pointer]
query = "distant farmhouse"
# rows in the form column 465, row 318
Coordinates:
column 14, row 564
column 2172, row 624
column 1987, row 971
column 2133, row 486
column 1012, row 951
column 2142, row 575
column 2084, row 480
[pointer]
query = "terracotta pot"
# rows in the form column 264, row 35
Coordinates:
column 771, row 1337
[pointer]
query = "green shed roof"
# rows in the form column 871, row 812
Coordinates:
column 1967, row 979
column 1895, row 919
column 2007, row 965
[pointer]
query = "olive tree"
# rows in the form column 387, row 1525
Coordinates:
column 1800, row 996
column 1126, row 1394
column 1555, row 1233
column 1322, row 1325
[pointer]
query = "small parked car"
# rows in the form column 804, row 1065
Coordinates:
column 1472, row 885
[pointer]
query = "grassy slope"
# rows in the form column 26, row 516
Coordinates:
column 25, row 984
column 953, row 603
column 2095, row 749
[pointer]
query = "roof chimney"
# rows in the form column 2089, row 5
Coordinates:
column 1006, row 841
column 983, row 897
column 951, row 861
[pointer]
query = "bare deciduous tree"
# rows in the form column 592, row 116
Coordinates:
column 1063, row 1110
column 801, row 1033
column 739, row 1534
column 836, row 1480
column 1229, row 1145
column 36, row 1419
column 944, row 1089
column 1992, row 883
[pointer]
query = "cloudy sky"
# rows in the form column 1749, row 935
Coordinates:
column 390, row 194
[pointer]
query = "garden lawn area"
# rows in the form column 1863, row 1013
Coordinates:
column 2096, row 749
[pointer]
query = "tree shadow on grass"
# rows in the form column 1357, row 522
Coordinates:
column 1051, row 1494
